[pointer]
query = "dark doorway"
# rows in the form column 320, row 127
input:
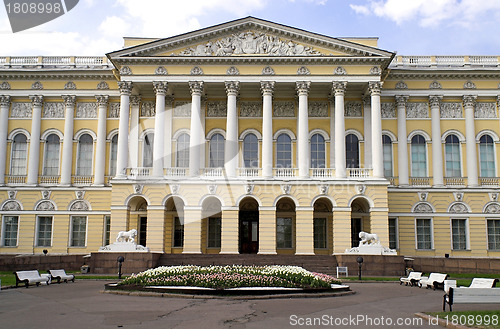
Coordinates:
column 249, row 226
column 143, row 226
column 355, row 229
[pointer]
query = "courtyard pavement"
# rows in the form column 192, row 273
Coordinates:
column 83, row 305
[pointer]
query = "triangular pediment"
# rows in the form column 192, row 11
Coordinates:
column 250, row 37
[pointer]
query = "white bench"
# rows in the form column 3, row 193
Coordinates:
column 434, row 280
column 31, row 277
column 467, row 295
column 61, row 275
column 483, row 283
column 412, row 279
column 342, row 270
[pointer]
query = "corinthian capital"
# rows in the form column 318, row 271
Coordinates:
column 267, row 87
column 196, row 87
column 125, row 87
column 435, row 101
column 4, row 100
column 135, row 100
column 302, row 87
column 375, row 87
column 232, row 87
column 339, row 87
column 69, row 100
column 469, row 100
column 160, row 87
column 401, row 100
column 102, row 100
column 37, row 100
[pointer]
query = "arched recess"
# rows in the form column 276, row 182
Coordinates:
column 174, row 224
column 285, row 225
column 138, row 217
column 360, row 218
column 323, row 225
column 248, row 223
column 211, row 225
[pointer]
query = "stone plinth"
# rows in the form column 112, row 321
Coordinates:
column 124, row 247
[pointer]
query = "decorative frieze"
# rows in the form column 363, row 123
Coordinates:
column 70, row 85
column 267, row 71
column 469, row 85
column 125, row 70
column 417, row 110
column 303, row 71
column 459, row 208
column 435, row 85
column 160, row 70
column 11, row 205
column 284, row 109
column 353, row 109
column 196, row 71
column 114, row 110
column 485, row 111
column 318, row 109
column 37, row 85
column 388, row 110
column 86, row 110
column 451, row 110
column 340, row 71
column 217, row 109
column 375, row 70
column 251, row 109
column 103, row 85
column 4, row 86
column 422, row 208
column 182, row 110
column 53, row 110
column 21, row 110
column 232, row 71
column 148, row 109
column 401, row 85
column 79, row 205
column 492, row 208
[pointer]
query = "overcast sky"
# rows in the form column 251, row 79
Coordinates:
column 409, row 27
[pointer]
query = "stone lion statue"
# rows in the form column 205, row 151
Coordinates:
column 126, row 236
column 368, row 239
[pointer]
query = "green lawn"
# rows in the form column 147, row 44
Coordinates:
column 476, row 319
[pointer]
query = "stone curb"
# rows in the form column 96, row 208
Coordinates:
column 187, row 296
column 442, row 322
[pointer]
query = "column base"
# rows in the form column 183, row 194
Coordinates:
column 192, row 252
column 228, row 253
column 305, row 254
column 267, row 253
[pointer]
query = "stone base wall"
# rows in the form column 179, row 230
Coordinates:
column 135, row 262
column 456, row 265
column 41, row 263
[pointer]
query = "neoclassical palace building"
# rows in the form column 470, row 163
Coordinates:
column 250, row 137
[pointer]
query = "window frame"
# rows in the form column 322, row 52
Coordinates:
column 45, row 150
column 391, row 155
column 4, row 231
column 396, row 233
column 496, row 222
column 78, row 152
column 38, row 231
column 466, row 233
column 431, row 232
column 26, row 151
column 72, row 232
column 481, row 156
column 317, row 241
column 218, row 152
column 177, row 151
column 425, row 153
column 317, row 152
column 113, row 164
column 106, row 238
column 459, row 153
column 174, row 231
column 285, row 241
column 358, row 153
column 148, row 141
column 214, row 238
column 244, row 151
column 277, row 152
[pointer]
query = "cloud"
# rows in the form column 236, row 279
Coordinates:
column 430, row 13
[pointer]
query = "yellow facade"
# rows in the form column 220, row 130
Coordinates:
column 287, row 213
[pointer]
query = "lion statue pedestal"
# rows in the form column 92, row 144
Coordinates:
column 125, row 242
column 369, row 244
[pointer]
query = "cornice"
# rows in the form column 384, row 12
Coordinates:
column 439, row 75
column 21, row 75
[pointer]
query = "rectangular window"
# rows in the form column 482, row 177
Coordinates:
column 214, row 232
column 494, row 234
column 320, row 233
column 459, row 234
column 78, row 231
column 9, row 231
column 418, row 161
column 284, row 232
column 393, row 233
column 424, row 233
column 178, row 232
column 44, row 238
column 107, row 229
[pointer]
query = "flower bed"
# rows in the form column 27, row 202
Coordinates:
column 233, row 276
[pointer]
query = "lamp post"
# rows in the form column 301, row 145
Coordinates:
column 120, row 260
column 360, row 263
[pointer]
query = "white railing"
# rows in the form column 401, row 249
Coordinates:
column 450, row 60
column 248, row 172
column 358, row 172
column 417, row 60
column 322, row 173
column 284, row 172
column 139, row 172
column 420, row 181
column 213, row 172
column 82, row 180
column 392, row 181
column 484, row 60
column 454, row 181
column 16, row 179
column 22, row 60
column 90, row 60
column 53, row 180
column 176, row 172
column 54, row 61
column 489, row 181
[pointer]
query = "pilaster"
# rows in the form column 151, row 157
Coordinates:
column 341, row 230
column 304, row 226
column 156, row 228
column 267, row 230
column 192, row 230
column 229, row 233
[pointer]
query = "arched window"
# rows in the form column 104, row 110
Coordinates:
column 19, row 155
column 351, row 151
column 318, row 153
column 147, row 150
column 51, row 158
column 85, row 154
column 182, row 160
column 487, row 156
column 112, row 156
column 217, row 151
column 251, row 151
column 418, row 157
column 452, row 156
column 284, row 151
column 387, row 148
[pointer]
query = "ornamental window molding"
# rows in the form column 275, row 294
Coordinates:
column 492, row 208
column 423, row 207
column 451, row 110
column 45, row 205
column 12, row 205
column 458, row 208
column 79, row 205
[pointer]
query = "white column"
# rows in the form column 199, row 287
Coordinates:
column 135, row 102
column 437, row 148
column 100, row 154
column 377, row 150
column 339, row 91
column 4, row 126
column 470, row 141
column 160, row 89
column 195, row 144
column 34, row 155
column 303, row 128
column 267, row 89
column 67, row 151
column 231, row 145
column 167, row 162
column 402, row 142
column 367, row 125
column 122, row 152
